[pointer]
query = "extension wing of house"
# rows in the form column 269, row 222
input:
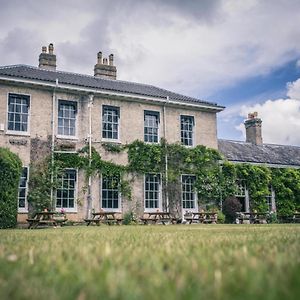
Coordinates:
column 253, row 151
column 43, row 111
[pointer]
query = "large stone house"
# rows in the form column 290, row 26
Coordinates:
column 44, row 110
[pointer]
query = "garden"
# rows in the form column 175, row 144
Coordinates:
column 151, row 262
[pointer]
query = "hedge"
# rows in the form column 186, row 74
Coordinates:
column 10, row 171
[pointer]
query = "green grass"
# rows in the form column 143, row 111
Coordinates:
column 151, row 262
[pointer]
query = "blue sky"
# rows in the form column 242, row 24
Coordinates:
column 242, row 54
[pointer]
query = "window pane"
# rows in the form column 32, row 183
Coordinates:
column 152, row 190
column 188, row 194
column 67, row 118
column 18, row 109
column 66, row 194
column 187, row 128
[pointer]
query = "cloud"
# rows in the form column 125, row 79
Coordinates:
column 281, row 117
column 193, row 47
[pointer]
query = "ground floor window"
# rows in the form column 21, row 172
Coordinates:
column 241, row 194
column 22, row 196
column 187, row 192
column 152, row 191
column 110, row 192
column 66, row 192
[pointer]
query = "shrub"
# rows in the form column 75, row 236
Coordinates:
column 230, row 207
column 11, row 167
column 129, row 218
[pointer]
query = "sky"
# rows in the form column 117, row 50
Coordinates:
column 242, row 54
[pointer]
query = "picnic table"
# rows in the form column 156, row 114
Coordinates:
column 294, row 218
column 252, row 217
column 158, row 217
column 50, row 218
column 106, row 217
column 204, row 217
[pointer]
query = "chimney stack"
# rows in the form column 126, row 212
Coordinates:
column 253, row 129
column 47, row 61
column 105, row 68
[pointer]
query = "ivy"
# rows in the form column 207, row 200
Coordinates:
column 10, row 166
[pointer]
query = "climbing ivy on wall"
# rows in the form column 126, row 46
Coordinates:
column 216, row 178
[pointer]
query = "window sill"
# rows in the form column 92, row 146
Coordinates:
column 22, row 211
column 67, row 137
column 66, row 210
column 103, row 140
column 17, row 133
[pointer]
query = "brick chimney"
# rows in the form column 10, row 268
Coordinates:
column 253, row 129
column 105, row 68
column 47, row 61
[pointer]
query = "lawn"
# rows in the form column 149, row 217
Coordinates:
column 151, row 262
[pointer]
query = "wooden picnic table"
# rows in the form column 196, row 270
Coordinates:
column 106, row 217
column 203, row 217
column 252, row 217
column 158, row 217
column 47, row 218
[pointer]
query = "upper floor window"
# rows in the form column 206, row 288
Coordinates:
column 110, row 192
column 152, row 191
column 188, row 192
column 22, row 196
column 18, row 112
column 66, row 192
column 187, row 124
column 67, row 111
column 110, row 122
column 151, row 126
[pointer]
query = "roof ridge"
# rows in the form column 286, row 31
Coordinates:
column 264, row 144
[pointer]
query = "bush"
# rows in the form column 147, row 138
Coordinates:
column 221, row 216
column 11, row 167
column 129, row 218
column 230, row 207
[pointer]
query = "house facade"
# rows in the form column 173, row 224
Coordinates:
column 254, row 152
column 43, row 111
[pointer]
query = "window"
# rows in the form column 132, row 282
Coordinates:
column 65, row 194
column 110, row 192
column 22, row 197
column 110, row 122
column 67, row 111
column 188, row 193
column 151, row 124
column 18, row 112
column 152, row 191
column 187, row 130
column 241, row 194
column 269, row 199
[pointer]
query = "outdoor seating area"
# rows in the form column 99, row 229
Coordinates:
column 251, row 218
column 203, row 217
column 105, row 217
column 47, row 218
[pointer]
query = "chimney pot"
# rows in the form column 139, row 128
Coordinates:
column 99, row 58
column 111, row 59
column 51, row 48
column 44, row 49
column 105, row 61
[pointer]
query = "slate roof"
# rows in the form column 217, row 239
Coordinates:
column 263, row 154
column 86, row 81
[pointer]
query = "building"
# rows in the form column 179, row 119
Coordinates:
column 254, row 151
column 43, row 110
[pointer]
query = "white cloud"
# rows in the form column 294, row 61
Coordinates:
column 281, row 117
column 193, row 47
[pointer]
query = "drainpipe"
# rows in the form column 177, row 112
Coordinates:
column 53, row 141
column 89, row 197
column 166, row 156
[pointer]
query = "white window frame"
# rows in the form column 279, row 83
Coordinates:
column 68, row 209
column 67, row 137
column 242, row 183
column 111, row 140
column 195, row 209
column 16, row 132
column 24, row 209
column 159, row 194
column 193, row 133
column 271, row 199
column 119, row 209
column 155, row 112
